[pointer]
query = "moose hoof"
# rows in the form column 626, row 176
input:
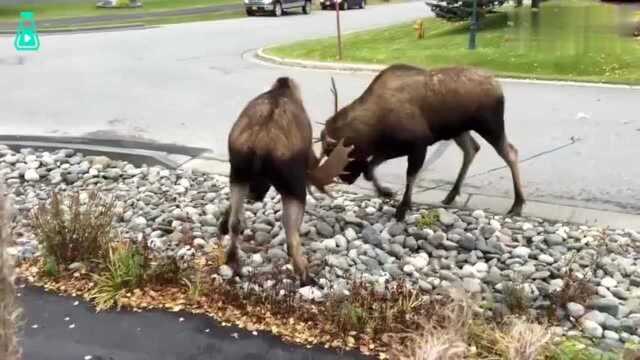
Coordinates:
column 401, row 213
column 385, row 192
column 516, row 210
column 449, row 199
column 308, row 281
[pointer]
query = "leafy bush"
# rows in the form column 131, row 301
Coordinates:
column 71, row 231
column 428, row 220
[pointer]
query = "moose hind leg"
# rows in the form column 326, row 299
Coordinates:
column 414, row 164
column 509, row 153
column 470, row 148
column 292, row 215
column 238, row 194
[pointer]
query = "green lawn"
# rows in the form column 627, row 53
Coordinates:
column 566, row 40
column 10, row 13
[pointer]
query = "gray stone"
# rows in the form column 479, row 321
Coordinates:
column 605, row 305
column 396, row 229
column 277, row 254
column 487, row 231
column 478, row 214
column 468, row 242
column 396, row 250
column 447, row 218
column 392, row 269
column 437, row 238
column 262, row 237
column 138, row 224
column 553, row 239
column 591, row 329
column 595, row 316
column 371, row 236
column 411, row 243
column 324, row 229
column 575, row 310
column 340, row 262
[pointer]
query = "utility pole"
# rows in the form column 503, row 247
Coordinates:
column 474, row 26
column 338, row 28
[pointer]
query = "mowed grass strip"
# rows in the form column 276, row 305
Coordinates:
column 566, row 40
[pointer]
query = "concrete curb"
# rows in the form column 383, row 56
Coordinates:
column 498, row 205
column 264, row 58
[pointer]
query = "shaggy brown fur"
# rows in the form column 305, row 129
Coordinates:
column 9, row 308
column 405, row 109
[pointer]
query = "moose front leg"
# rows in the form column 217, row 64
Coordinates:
column 370, row 175
column 414, row 164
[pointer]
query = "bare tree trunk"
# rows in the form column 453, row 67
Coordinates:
column 9, row 310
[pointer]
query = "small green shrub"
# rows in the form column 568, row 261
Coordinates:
column 516, row 299
column 428, row 220
column 71, row 231
column 124, row 271
column 50, row 268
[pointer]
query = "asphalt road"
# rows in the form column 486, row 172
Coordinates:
column 58, row 329
column 187, row 83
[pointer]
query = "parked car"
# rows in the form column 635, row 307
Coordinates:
column 344, row 4
column 275, row 7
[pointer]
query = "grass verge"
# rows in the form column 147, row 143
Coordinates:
column 574, row 40
column 42, row 11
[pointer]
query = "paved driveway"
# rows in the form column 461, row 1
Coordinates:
column 187, row 83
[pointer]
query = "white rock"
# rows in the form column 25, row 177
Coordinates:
column 33, row 164
column 329, row 244
column 547, row 259
column 611, row 335
column 478, row 214
column 199, row 243
column 31, row 175
column 521, row 252
column 419, row 261
column 409, row 269
column 472, row 285
column 225, row 271
column 256, row 259
column 350, row 234
column 184, row 183
column 481, row 267
column 608, row 282
column 310, row 293
column 526, row 226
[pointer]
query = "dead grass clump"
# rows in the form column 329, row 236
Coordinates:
column 456, row 331
column 71, row 231
column 442, row 336
column 10, row 311
column 574, row 289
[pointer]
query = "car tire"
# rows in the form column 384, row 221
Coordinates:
column 277, row 10
column 307, row 7
column 363, row 4
column 343, row 5
column 249, row 12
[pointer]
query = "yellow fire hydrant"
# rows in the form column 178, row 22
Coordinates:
column 419, row 28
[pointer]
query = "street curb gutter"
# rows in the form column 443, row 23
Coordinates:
column 262, row 57
column 498, row 205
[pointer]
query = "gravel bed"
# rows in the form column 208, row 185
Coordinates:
column 354, row 237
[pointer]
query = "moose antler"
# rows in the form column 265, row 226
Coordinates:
column 334, row 91
column 333, row 166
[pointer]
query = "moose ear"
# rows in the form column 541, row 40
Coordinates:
column 331, row 168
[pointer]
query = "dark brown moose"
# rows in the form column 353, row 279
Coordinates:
column 405, row 109
column 270, row 144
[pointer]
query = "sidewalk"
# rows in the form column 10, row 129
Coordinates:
column 56, row 329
